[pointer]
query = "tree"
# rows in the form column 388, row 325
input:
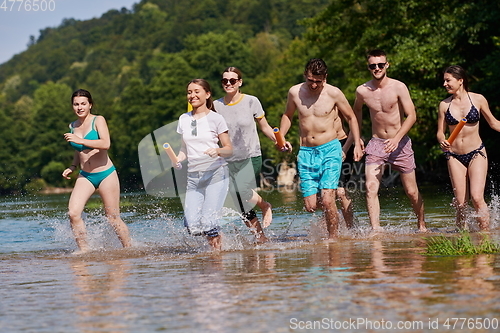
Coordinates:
column 147, row 107
column 421, row 39
column 12, row 176
column 210, row 53
column 53, row 113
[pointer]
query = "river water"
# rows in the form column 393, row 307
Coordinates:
column 171, row 282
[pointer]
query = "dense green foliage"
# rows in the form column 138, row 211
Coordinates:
column 137, row 63
column 421, row 38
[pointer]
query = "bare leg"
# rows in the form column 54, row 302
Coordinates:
column 254, row 224
column 79, row 196
column 327, row 203
column 346, row 207
column 459, row 181
column 265, row 207
column 477, row 172
column 256, row 227
column 373, row 175
column 311, row 203
column 460, row 219
column 330, row 210
column 110, row 194
column 483, row 215
column 410, row 185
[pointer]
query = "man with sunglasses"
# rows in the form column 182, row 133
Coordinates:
column 392, row 115
column 320, row 155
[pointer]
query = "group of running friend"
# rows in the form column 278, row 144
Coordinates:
column 221, row 146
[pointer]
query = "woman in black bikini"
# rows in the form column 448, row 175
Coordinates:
column 467, row 159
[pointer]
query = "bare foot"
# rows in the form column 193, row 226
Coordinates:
column 81, row 251
column 330, row 240
column 215, row 242
column 484, row 226
column 267, row 215
column 375, row 231
column 462, row 225
column 260, row 238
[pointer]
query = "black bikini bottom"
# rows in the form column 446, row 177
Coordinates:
column 465, row 159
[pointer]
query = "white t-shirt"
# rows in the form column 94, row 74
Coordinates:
column 198, row 136
column 240, row 118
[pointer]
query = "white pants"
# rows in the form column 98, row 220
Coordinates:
column 205, row 195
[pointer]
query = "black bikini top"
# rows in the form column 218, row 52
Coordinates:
column 472, row 117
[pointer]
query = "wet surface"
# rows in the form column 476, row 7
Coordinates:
column 170, row 281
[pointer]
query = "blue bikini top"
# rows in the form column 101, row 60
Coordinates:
column 91, row 135
column 472, row 117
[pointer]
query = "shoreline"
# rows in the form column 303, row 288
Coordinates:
column 56, row 190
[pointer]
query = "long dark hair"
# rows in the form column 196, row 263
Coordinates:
column 458, row 73
column 83, row 93
column 206, row 86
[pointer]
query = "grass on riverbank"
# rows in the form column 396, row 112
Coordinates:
column 461, row 245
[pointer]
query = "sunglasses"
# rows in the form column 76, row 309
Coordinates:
column 194, row 131
column 232, row 81
column 374, row 66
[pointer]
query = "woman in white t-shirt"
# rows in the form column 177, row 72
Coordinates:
column 208, row 177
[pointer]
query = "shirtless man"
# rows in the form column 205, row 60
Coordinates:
column 389, row 102
column 320, row 154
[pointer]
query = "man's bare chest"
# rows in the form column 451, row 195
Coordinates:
column 381, row 101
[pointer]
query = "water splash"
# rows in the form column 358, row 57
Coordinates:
column 494, row 207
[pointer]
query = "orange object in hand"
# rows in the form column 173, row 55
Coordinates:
column 457, row 130
column 168, row 149
column 280, row 140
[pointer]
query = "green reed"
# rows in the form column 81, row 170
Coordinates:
column 461, row 245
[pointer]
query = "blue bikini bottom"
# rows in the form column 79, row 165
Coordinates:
column 96, row 178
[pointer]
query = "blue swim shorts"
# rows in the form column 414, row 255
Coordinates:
column 319, row 167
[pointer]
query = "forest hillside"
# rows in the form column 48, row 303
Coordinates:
column 137, row 63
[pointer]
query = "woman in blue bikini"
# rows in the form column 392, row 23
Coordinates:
column 89, row 136
column 467, row 159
